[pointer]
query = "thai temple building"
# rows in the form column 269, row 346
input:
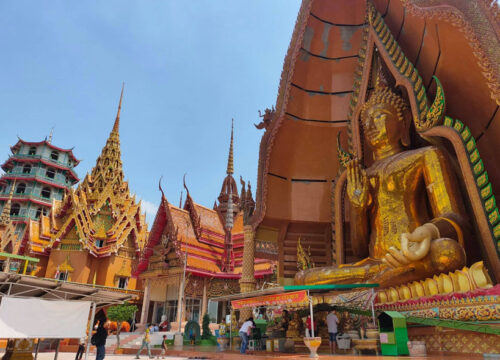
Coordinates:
column 36, row 175
column 205, row 243
column 95, row 233
column 381, row 150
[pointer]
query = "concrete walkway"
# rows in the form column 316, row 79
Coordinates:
column 210, row 353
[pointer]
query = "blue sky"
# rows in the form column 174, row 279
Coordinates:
column 188, row 67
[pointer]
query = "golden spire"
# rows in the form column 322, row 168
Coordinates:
column 230, row 166
column 108, row 166
column 5, row 216
column 116, row 126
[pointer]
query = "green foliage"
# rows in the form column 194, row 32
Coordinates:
column 121, row 312
column 205, row 327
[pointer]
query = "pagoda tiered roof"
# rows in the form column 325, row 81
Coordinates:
column 46, row 142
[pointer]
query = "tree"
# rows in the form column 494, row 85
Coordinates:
column 206, row 327
column 121, row 313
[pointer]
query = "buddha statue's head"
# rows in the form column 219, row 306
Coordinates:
column 382, row 117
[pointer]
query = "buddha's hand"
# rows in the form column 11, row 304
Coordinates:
column 357, row 184
column 414, row 246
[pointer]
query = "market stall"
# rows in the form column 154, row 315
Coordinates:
column 284, row 307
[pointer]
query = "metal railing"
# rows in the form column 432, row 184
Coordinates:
column 27, row 195
column 48, row 158
column 41, row 174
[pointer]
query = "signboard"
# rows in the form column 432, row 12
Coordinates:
column 267, row 300
column 384, row 339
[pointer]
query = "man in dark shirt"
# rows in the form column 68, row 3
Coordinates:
column 100, row 341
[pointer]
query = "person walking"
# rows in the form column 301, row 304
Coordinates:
column 99, row 340
column 81, row 348
column 164, row 347
column 332, row 320
column 145, row 343
column 245, row 332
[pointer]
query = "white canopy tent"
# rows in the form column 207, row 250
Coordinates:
column 33, row 307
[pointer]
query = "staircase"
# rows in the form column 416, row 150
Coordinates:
column 316, row 236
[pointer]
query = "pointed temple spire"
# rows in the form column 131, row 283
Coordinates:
column 116, row 126
column 108, row 166
column 5, row 216
column 230, row 165
column 229, row 211
column 50, row 135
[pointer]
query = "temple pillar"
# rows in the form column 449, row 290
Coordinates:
column 204, row 301
column 145, row 304
column 247, row 281
column 181, row 305
column 6, row 265
column 155, row 309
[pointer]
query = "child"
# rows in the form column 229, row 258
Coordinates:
column 164, row 347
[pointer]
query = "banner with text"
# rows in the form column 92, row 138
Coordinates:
column 291, row 298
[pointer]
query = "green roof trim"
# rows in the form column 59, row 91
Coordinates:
column 329, row 287
column 394, row 314
column 12, row 256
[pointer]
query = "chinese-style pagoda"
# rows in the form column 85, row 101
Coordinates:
column 36, row 175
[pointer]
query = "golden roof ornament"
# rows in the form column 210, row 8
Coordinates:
column 304, row 260
column 66, row 266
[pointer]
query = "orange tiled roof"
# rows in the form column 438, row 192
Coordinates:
column 209, row 219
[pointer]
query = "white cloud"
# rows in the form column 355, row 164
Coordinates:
column 150, row 209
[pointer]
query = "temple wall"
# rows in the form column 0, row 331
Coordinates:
column 106, row 270
column 77, row 259
column 455, row 341
column 41, row 266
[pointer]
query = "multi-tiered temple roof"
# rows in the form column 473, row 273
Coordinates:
column 212, row 238
column 100, row 216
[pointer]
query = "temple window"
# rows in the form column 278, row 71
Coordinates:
column 32, row 151
column 54, row 155
column 193, row 309
column 122, row 282
column 171, row 310
column 21, row 188
column 46, row 192
column 51, row 173
column 63, row 276
column 15, row 209
column 26, row 169
column 45, row 212
column 99, row 243
column 38, row 213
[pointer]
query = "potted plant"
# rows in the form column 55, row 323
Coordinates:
column 120, row 313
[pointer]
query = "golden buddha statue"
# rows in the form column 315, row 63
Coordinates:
column 406, row 213
column 295, row 326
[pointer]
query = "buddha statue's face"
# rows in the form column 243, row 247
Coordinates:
column 382, row 127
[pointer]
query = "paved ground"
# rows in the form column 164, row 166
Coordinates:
column 193, row 354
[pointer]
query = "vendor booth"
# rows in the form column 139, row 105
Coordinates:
column 33, row 308
column 279, row 314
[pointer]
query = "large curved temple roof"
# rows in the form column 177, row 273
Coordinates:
column 456, row 40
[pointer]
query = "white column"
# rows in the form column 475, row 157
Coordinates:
column 145, row 303
column 204, row 301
